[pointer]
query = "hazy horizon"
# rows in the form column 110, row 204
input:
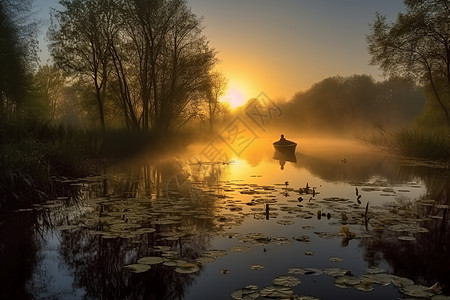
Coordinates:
column 279, row 48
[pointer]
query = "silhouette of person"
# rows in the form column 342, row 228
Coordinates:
column 282, row 163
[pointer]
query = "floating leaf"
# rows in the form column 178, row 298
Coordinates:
column 406, row 238
column 285, row 222
column 187, row 268
column 374, row 270
column 240, row 249
column 303, row 238
column 335, row 259
column 284, row 280
column 137, row 268
column 364, row 287
column 150, row 260
column 249, row 292
column 379, row 278
column 336, row 272
column 418, row 291
column 276, row 292
column 347, row 280
column 170, row 263
column 256, row 267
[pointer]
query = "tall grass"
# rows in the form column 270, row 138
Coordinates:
column 415, row 142
column 32, row 155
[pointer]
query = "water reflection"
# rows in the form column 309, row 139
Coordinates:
column 425, row 259
column 194, row 213
column 284, row 156
column 174, row 199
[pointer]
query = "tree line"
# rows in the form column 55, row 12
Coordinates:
column 147, row 60
column 136, row 64
column 18, row 57
column 353, row 104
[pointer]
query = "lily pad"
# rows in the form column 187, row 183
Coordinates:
column 285, row 222
column 187, row 268
column 150, row 260
column 336, row 272
column 418, row 291
column 335, row 259
column 285, row 280
column 249, row 292
column 256, row 267
column 137, row 268
column 240, row 249
column 347, row 280
column 276, row 291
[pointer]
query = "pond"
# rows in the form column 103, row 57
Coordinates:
column 334, row 220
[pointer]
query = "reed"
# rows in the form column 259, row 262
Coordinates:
column 415, row 142
column 33, row 155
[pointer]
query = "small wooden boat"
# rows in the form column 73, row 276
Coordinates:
column 284, row 145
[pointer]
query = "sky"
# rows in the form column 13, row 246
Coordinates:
column 280, row 47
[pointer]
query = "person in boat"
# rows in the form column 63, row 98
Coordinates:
column 283, row 141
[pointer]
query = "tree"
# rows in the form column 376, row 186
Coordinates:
column 417, row 45
column 18, row 48
column 49, row 84
column 79, row 45
column 214, row 89
column 150, row 56
column 170, row 57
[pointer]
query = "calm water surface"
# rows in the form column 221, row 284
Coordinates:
column 333, row 221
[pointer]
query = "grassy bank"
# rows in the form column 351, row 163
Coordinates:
column 34, row 156
column 414, row 142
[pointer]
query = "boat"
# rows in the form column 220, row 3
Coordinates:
column 285, row 146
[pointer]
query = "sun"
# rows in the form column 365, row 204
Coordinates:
column 234, row 97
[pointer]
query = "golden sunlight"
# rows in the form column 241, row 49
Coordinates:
column 234, row 97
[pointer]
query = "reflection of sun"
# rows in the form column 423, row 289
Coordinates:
column 234, row 97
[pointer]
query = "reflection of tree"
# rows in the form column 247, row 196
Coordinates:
column 97, row 263
column 97, row 266
column 21, row 235
column 426, row 260
column 357, row 168
column 18, row 251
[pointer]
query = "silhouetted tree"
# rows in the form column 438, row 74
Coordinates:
column 417, row 45
column 215, row 88
column 150, row 56
column 79, row 44
column 353, row 103
column 18, row 57
column 49, row 84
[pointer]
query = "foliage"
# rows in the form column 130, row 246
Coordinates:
column 349, row 105
column 414, row 142
column 149, row 58
column 49, row 85
column 18, row 47
column 417, row 46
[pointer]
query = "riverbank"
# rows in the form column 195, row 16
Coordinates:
column 415, row 142
column 35, row 157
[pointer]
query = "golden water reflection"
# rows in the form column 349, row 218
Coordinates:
column 223, row 215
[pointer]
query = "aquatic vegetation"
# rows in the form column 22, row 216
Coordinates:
column 259, row 223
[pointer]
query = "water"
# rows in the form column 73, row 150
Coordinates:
column 218, row 227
